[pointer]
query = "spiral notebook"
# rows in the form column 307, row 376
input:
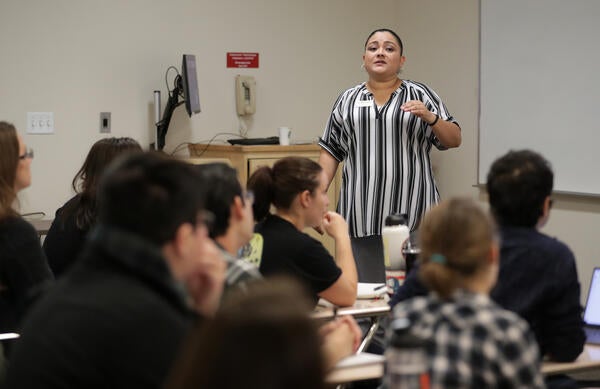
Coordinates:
column 370, row 290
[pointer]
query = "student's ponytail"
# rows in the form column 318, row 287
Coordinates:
column 261, row 183
column 455, row 239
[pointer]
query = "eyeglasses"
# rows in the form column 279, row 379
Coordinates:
column 28, row 154
column 206, row 218
column 249, row 196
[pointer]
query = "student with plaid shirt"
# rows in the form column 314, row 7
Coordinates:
column 233, row 224
column 474, row 343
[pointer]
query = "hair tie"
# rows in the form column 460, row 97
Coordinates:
column 438, row 258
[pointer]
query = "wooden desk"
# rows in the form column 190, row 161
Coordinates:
column 361, row 308
column 374, row 309
column 246, row 159
column 589, row 359
column 356, row 367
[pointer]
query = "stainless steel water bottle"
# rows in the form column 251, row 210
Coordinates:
column 406, row 365
column 394, row 234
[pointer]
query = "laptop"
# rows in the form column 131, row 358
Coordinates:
column 591, row 315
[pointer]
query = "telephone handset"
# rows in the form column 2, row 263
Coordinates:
column 245, row 95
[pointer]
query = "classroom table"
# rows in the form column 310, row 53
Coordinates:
column 374, row 309
column 588, row 359
column 358, row 368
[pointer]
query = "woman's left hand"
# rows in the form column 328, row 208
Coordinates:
column 417, row 107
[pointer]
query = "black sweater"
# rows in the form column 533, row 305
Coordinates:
column 23, row 270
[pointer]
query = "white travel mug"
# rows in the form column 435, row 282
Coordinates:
column 284, row 135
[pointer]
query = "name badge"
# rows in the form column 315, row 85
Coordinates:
column 364, row 103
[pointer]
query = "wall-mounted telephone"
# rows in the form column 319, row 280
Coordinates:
column 245, row 95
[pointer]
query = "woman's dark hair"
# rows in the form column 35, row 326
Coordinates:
column 391, row 32
column 262, row 338
column 455, row 239
column 280, row 184
column 9, row 160
column 85, row 182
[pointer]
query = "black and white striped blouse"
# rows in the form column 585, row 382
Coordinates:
column 385, row 152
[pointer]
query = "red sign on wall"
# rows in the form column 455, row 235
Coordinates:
column 242, row 60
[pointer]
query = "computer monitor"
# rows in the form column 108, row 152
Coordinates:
column 186, row 88
column 190, row 84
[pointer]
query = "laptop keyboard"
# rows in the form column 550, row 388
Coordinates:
column 592, row 335
column 272, row 140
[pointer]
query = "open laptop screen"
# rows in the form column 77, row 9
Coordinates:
column 592, row 307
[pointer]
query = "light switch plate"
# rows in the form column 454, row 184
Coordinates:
column 40, row 122
column 105, row 122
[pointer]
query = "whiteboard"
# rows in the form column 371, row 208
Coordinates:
column 540, row 86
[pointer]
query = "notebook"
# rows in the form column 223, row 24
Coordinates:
column 369, row 290
column 591, row 316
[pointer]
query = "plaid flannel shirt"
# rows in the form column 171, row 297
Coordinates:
column 474, row 342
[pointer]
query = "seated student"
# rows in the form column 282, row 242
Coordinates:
column 66, row 235
column 117, row 318
column 473, row 343
column 538, row 276
column 233, row 224
column 297, row 188
column 538, row 273
column 259, row 340
column 23, row 266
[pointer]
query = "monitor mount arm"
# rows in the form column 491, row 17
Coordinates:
column 173, row 102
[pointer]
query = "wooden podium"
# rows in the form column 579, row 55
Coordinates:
column 246, row 159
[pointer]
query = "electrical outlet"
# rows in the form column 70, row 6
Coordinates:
column 40, row 122
column 105, row 122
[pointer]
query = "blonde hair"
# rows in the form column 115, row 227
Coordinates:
column 455, row 239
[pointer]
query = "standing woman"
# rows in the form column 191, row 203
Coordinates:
column 383, row 130
column 66, row 236
column 23, row 265
column 297, row 188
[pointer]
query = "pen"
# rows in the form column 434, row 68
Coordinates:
column 379, row 287
column 9, row 335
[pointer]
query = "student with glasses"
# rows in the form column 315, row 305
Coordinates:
column 233, row 224
column 23, row 266
column 147, row 273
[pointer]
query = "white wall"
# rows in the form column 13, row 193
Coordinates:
column 442, row 40
column 516, row 73
column 79, row 58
